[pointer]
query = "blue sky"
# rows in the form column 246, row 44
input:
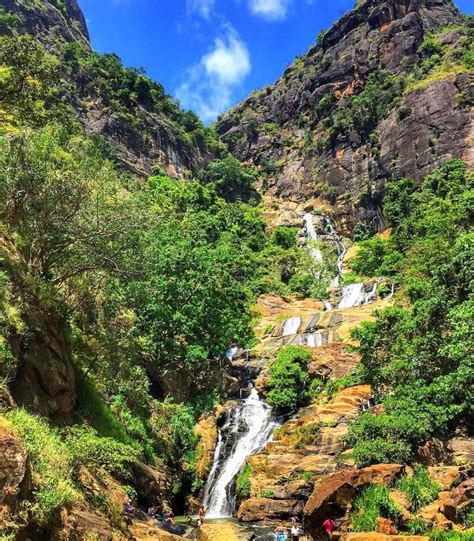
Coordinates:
column 212, row 53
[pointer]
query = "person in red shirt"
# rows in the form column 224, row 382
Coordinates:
column 328, row 526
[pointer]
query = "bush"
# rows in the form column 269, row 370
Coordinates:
column 289, row 381
column 86, row 448
column 51, row 465
column 419, row 488
column 370, row 257
column 243, row 482
column 373, row 502
column 285, row 237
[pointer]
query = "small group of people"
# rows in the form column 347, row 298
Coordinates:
column 295, row 531
column 165, row 517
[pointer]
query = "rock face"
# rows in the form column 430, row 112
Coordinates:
column 142, row 132
column 285, row 129
column 15, row 481
column 333, row 494
column 304, row 450
column 52, row 21
column 44, row 381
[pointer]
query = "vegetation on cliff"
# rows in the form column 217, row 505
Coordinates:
column 418, row 354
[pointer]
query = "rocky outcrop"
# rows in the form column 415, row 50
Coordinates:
column 333, row 494
column 51, row 21
column 15, row 479
column 183, row 384
column 44, row 378
column 288, row 130
column 303, row 450
column 372, row 536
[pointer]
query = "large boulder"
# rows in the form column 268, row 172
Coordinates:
column 263, row 508
column 333, row 494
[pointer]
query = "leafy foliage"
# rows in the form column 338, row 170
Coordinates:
column 243, row 482
column 51, row 465
column 373, row 502
column 289, row 381
column 419, row 488
column 418, row 357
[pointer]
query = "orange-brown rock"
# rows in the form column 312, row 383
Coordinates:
column 373, row 536
column 333, row 493
column 386, row 526
column 15, row 481
column 459, row 496
column 206, row 430
column 332, row 360
column 263, row 508
column 444, row 476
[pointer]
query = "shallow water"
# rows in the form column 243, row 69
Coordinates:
column 233, row 530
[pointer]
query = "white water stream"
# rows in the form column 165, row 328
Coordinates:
column 291, row 326
column 246, row 431
column 353, row 294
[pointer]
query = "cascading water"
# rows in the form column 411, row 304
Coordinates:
column 312, row 236
column 353, row 294
column 291, row 326
column 248, row 428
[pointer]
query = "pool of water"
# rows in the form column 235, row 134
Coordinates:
column 229, row 529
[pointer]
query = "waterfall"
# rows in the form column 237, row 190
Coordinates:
column 312, row 237
column 340, row 248
column 247, row 429
column 291, row 326
column 355, row 295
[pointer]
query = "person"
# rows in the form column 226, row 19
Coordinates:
column 152, row 511
column 280, row 532
column 328, row 526
column 201, row 515
column 295, row 531
column 129, row 508
column 169, row 518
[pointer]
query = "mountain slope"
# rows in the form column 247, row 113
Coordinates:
column 384, row 93
column 130, row 113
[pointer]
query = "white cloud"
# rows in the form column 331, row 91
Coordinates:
column 201, row 7
column 211, row 82
column 272, row 10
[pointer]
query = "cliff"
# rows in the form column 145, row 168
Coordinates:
column 384, row 93
column 129, row 113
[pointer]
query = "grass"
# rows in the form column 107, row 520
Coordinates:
column 243, row 482
column 443, row 71
column 373, row 502
column 51, row 465
column 419, row 488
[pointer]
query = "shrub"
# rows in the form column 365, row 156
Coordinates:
column 419, row 488
column 51, row 464
column 86, row 448
column 373, row 502
column 370, row 257
column 289, row 381
column 243, row 482
column 285, row 237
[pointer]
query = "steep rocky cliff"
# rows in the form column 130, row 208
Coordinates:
column 384, row 93
column 52, row 21
column 125, row 109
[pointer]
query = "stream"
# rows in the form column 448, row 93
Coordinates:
column 248, row 427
